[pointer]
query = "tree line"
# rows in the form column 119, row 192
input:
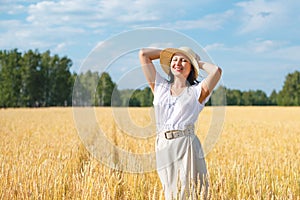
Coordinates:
column 92, row 88
column 34, row 79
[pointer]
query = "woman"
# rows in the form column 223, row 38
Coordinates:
column 177, row 103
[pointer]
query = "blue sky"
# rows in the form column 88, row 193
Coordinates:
column 255, row 42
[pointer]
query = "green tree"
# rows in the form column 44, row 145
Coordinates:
column 81, row 94
column 105, row 90
column 10, row 78
column 251, row 98
column 32, row 79
column 141, row 98
column 116, row 97
column 218, row 97
column 247, row 98
column 260, row 98
column 125, row 96
column 146, row 97
column 46, row 67
column 89, row 81
column 273, row 98
column 134, row 100
column 235, row 97
column 290, row 93
column 61, row 85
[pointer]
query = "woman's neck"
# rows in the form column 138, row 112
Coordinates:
column 179, row 83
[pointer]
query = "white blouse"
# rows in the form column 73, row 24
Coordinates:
column 176, row 112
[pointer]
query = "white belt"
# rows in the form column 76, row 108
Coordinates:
column 172, row 134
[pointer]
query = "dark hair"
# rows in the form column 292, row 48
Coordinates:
column 191, row 80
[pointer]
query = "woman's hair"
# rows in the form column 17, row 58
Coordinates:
column 191, row 80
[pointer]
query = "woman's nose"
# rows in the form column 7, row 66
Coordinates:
column 178, row 62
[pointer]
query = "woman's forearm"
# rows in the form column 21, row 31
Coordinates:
column 214, row 74
column 146, row 56
column 149, row 54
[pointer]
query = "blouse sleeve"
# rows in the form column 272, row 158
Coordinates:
column 159, row 83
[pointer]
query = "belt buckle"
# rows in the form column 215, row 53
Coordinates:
column 169, row 132
column 174, row 134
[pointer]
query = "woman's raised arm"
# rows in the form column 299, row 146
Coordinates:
column 146, row 56
column 214, row 74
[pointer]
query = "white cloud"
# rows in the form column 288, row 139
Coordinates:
column 16, row 34
column 288, row 53
column 262, row 46
column 60, row 47
column 10, row 7
column 214, row 46
column 92, row 13
column 273, row 50
column 162, row 45
column 261, row 15
column 49, row 23
column 101, row 13
column 61, row 13
column 208, row 22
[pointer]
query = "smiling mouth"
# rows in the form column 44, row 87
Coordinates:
column 178, row 68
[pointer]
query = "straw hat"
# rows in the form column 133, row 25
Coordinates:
column 167, row 54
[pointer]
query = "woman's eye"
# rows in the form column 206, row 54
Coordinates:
column 180, row 59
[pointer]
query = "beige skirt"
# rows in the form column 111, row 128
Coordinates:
column 181, row 167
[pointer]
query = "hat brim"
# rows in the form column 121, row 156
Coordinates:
column 166, row 57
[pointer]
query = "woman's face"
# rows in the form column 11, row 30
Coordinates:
column 180, row 65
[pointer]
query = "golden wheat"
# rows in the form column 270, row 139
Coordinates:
column 42, row 156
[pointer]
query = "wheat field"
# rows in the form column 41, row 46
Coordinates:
column 256, row 155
